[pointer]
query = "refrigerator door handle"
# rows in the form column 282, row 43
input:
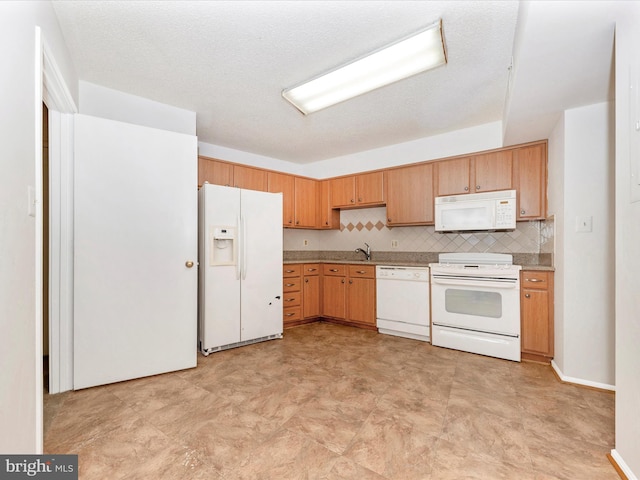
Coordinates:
column 238, row 253
column 244, row 248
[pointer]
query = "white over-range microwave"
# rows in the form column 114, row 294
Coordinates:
column 485, row 211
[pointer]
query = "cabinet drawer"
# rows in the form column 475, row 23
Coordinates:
column 291, row 284
column 365, row 271
column 292, row 270
column 290, row 314
column 535, row 279
column 334, row 269
column 291, row 299
column 311, row 269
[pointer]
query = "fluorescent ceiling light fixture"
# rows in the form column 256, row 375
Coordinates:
column 402, row 59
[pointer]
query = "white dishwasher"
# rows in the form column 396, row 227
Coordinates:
column 402, row 301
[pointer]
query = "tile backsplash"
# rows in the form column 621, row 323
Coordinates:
column 367, row 225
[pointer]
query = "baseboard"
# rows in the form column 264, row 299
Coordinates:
column 580, row 381
column 621, row 467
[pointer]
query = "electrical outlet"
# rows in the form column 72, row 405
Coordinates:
column 305, row 243
column 394, row 243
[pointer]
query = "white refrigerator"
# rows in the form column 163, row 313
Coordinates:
column 240, row 267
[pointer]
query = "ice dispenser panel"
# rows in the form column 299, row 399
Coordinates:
column 223, row 246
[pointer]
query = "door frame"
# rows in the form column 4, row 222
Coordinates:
column 51, row 88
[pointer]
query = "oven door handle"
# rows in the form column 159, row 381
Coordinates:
column 476, row 282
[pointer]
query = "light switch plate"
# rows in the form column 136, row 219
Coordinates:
column 584, row 224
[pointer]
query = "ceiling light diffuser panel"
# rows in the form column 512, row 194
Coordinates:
column 402, row 59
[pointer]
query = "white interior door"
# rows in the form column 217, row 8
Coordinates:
column 135, row 229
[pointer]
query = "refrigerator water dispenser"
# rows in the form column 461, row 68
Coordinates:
column 223, row 246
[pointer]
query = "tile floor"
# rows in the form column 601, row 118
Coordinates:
column 334, row 402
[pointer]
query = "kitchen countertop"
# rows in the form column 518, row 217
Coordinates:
column 396, row 263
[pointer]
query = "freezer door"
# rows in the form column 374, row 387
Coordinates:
column 219, row 314
column 261, row 260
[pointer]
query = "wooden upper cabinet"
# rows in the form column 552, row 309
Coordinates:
column 329, row 217
column 493, row 171
column 306, row 198
column 249, row 178
column 215, row 172
column 410, row 195
column 366, row 189
column 370, row 188
column 343, row 192
column 285, row 184
column 452, row 176
column 530, row 181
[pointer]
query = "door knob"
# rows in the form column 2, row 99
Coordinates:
column 188, row 264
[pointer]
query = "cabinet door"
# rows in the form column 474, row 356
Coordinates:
column 306, row 202
column 370, row 189
column 530, row 179
column 362, row 300
column 334, row 296
column 250, row 178
column 493, row 171
column 285, row 184
column 410, row 195
column 343, row 192
column 311, row 296
column 536, row 337
column 214, row 172
column 452, row 177
column 329, row 217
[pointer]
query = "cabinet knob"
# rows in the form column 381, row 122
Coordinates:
column 353, row 201
column 522, row 212
column 342, row 281
column 361, row 272
column 311, row 269
column 297, row 222
column 289, row 284
column 350, row 281
column 359, row 199
column 534, row 280
column 477, row 187
column 289, row 314
column 466, row 189
column 188, row 264
column 333, row 269
column 290, row 221
column 306, row 280
column 326, row 223
column 388, row 220
column 526, row 295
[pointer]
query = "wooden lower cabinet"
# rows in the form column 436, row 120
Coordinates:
column 334, row 291
column 361, row 295
column 536, row 315
column 349, row 294
column 291, row 295
column 311, row 291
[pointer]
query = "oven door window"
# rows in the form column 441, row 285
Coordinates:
column 473, row 302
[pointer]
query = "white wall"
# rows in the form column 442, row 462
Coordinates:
column 105, row 102
column 459, row 142
column 627, row 259
column 247, row 158
column 20, row 324
column 583, row 187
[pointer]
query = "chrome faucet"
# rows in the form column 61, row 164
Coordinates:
column 367, row 252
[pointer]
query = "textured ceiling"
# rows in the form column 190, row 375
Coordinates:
column 229, row 62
